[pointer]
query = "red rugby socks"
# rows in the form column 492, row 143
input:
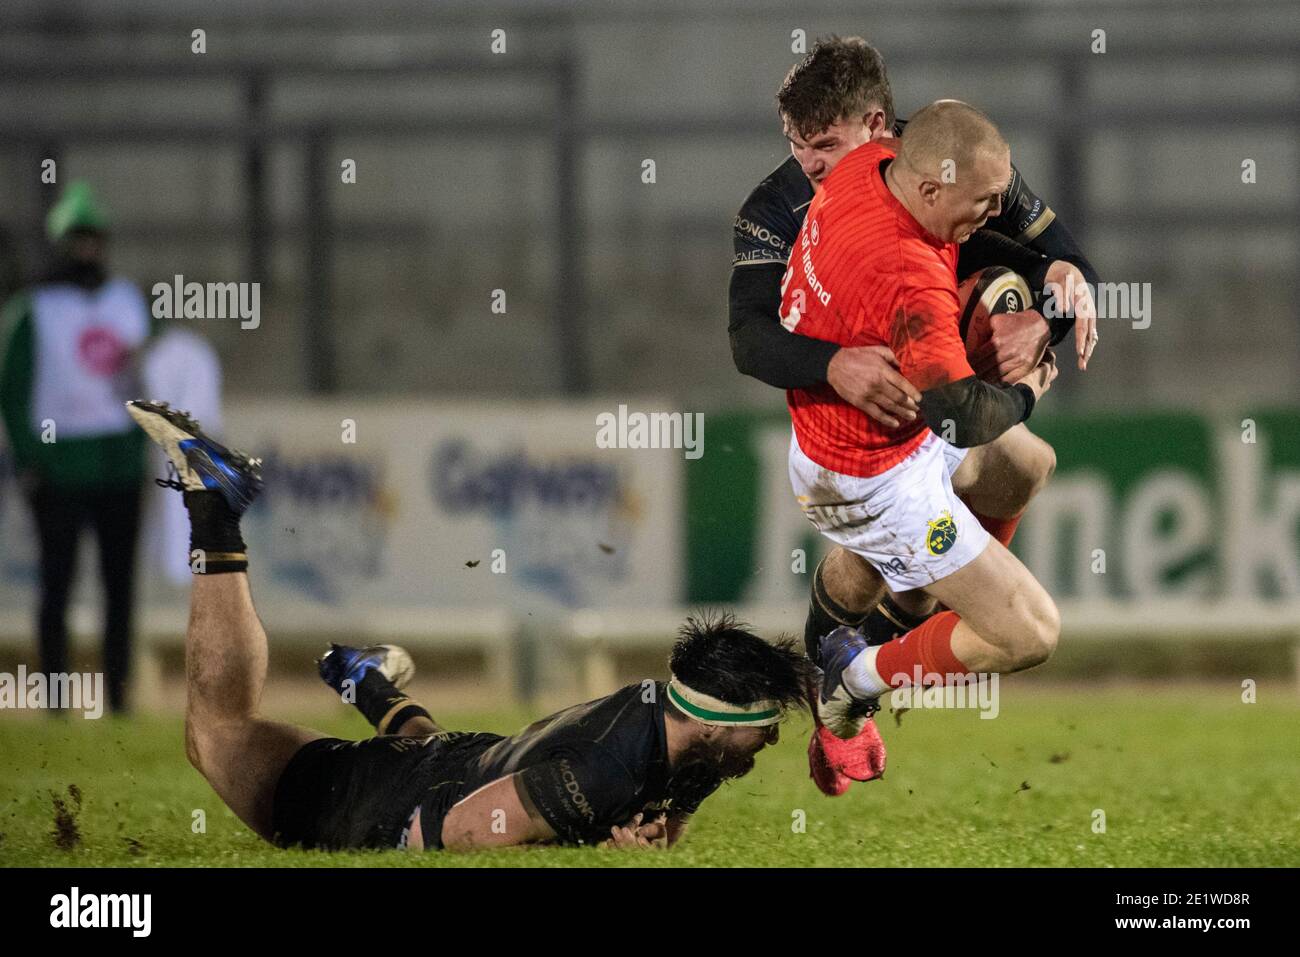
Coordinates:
column 925, row 650
column 1003, row 529
column 928, row 646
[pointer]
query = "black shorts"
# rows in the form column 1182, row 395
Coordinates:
column 344, row 794
column 336, row 794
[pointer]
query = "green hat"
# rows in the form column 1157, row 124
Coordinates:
column 77, row 208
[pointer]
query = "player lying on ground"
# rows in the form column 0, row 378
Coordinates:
column 371, row 680
column 631, row 767
column 834, row 100
column 875, row 264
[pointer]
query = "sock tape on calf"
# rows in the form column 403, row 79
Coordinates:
column 833, row 609
column 216, row 545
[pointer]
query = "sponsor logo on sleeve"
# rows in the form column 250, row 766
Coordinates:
column 574, row 790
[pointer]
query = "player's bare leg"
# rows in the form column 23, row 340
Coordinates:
column 998, row 480
column 1006, row 620
column 240, row 753
column 1000, row 620
column 845, row 589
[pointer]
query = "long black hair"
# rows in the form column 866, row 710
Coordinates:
column 719, row 656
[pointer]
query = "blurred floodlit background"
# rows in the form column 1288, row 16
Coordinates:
column 521, row 172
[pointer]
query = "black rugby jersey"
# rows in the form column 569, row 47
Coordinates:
column 586, row 769
column 768, row 223
column 1026, row 236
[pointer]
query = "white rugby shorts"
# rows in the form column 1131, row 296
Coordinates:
column 907, row 521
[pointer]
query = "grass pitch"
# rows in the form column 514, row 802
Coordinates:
column 1185, row 777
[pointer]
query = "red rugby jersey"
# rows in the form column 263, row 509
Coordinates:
column 864, row 272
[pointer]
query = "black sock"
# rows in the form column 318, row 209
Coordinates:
column 825, row 614
column 215, row 543
column 386, row 708
column 887, row 621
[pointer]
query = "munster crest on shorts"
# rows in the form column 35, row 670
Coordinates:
column 940, row 534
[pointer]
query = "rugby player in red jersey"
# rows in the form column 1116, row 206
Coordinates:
column 834, row 100
column 875, row 265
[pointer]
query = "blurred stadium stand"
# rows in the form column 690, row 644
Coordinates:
column 522, row 172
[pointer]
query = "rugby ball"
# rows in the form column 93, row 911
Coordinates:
column 987, row 293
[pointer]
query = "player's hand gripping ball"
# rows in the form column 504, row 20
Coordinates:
column 1007, row 350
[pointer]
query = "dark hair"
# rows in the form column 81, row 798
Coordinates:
column 719, row 656
column 840, row 77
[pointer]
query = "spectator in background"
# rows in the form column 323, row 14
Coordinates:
column 179, row 367
column 66, row 368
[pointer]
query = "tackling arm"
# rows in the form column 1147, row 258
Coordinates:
column 760, row 346
column 763, row 234
column 956, row 405
column 974, row 412
column 1030, row 222
column 498, row 814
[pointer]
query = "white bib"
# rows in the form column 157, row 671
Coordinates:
column 85, row 343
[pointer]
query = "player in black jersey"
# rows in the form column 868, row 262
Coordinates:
column 629, row 768
column 836, row 99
